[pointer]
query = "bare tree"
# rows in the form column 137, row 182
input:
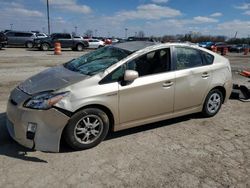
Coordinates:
column 88, row 33
column 141, row 34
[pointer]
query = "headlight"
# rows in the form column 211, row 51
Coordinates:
column 45, row 101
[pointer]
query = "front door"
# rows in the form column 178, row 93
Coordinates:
column 151, row 94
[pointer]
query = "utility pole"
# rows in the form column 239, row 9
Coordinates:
column 76, row 30
column 126, row 33
column 11, row 26
column 95, row 32
column 235, row 34
column 48, row 17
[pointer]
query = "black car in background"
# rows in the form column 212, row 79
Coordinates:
column 238, row 48
column 20, row 38
column 66, row 40
column 3, row 40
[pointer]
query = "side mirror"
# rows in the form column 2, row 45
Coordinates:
column 130, row 75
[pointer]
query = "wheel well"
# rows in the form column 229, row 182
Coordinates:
column 222, row 90
column 45, row 43
column 103, row 108
column 80, row 44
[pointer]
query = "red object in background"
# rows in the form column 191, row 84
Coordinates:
column 246, row 50
column 214, row 48
column 57, row 50
column 245, row 73
column 108, row 41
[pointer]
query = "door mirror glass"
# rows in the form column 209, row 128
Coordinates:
column 130, row 75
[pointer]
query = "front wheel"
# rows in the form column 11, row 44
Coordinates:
column 87, row 128
column 44, row 47
column 212, row 103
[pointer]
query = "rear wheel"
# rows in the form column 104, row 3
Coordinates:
column 29, row 44
column 87, row 128
column 44, row 47
column 79, row 47
column 212, row 103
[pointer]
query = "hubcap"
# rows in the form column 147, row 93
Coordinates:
column 79, row 48
column 45, row 47
column 88, row 129
column 214, row 103
column 30, row 45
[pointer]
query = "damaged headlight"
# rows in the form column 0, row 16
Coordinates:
column 45, row 101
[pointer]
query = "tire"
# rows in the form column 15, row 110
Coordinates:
column 44, row 47
column 29, row 44
column 1, row 46
column 86, row 129
column 212, row 103
column 79, row 47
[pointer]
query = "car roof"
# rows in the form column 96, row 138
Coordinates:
column 11, row 31
column 134, row 45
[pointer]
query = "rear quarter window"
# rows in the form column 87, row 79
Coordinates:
column 208, row 59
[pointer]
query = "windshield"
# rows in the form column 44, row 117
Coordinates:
column 96, row 61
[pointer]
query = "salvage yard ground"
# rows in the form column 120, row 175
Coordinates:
column 186, row 152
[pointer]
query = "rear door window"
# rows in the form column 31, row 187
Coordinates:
column 187, row 58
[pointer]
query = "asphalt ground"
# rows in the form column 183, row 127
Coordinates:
column 190, row 151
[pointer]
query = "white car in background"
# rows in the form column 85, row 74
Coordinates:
column 95, row 43
column 41, row 35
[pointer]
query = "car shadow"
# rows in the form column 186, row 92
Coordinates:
column 9, row 148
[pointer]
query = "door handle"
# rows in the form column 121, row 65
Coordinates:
column 167, row 84
column 205, row 75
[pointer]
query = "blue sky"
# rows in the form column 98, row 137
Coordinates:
column 111, row 17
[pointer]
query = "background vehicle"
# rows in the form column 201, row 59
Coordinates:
column 66, row 40
column 78, row 37
column 238, row 48
column 20, row 38
column 206, row 45
column 3, row 40
column 41, row 35
column 95, row 43
column 114, row 88
column 221, row 45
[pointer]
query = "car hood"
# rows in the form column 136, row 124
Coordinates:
column 50, row 80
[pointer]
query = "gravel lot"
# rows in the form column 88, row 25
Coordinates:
column 186, row 152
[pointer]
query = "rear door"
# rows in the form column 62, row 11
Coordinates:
column 193, row 78
column 65, row 40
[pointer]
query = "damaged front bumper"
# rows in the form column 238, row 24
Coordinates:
column 38, row 129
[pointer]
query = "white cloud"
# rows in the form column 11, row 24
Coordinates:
column 71, row 5
column 247, row 12
column 216, row 14
column 202, row 19
column 243, row 6
column 148, row 12
column 18, row 10
column 160, row 1
column 230, row 27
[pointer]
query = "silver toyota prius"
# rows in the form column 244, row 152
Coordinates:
column 114, row 88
